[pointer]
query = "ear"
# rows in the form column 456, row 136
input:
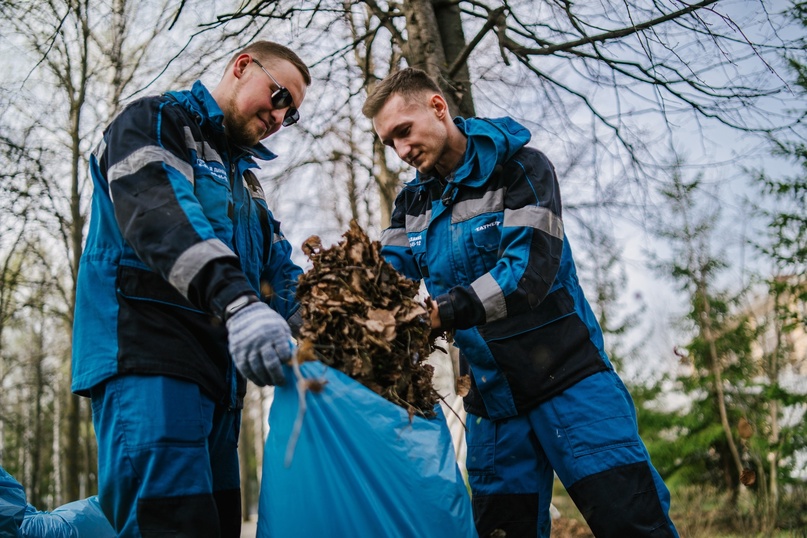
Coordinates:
column 439, row 105
column 240, row 65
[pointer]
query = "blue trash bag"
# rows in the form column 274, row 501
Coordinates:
column 12, row 505
column 78, row 519
column 359, row 467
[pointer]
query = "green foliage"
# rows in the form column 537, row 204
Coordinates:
column 783, row 208
column 733, row 419
column 741, row 353
column 601, row 269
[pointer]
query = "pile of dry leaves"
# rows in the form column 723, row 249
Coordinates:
column 361, row 317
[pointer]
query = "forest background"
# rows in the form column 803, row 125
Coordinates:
column 677, row 130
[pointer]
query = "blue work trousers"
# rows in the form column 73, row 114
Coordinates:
column 588, row 436
column 167, row 458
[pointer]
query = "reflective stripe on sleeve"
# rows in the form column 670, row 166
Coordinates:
column 193, row 260
column 492, row 297
column 394, row 237
column 536, row 217
column 145, row 156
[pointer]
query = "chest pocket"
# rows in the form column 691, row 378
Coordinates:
column 485, row 237
column 417, row 243
column 212, row 189
column 211, row 182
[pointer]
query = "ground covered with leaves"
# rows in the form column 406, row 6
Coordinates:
column 362, row 317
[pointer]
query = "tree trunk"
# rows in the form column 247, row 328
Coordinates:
column 34, row 488
column 73, row 460
column 72, row 448
column 246, row 455
column 714, row 359
column 425, row 45
column 449, row 24
column 57, row 453
column 388, row 184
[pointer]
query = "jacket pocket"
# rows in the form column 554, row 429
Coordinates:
column 481, row 440
column 555, row 306
column 596, row 416
column 212, row 189
column 544, row 351
column 417, row 243
column 486, row 235
column 139, row 284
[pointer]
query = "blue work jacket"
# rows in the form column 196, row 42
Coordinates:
column 489, row 243
column 179, row 228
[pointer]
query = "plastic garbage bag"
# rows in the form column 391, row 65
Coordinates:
column 78, row 519
column 359, row 467
column 12, row 505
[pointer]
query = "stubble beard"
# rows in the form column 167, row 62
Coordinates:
column 236, row 129
column 236, row 125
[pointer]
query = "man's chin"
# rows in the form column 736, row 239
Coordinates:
column 424, row 168
column 241, row 137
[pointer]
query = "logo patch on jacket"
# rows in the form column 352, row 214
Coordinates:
column 217, row 171
column 493, row 224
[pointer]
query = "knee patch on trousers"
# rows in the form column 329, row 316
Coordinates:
column 622, row 503
column 186, row 516
column 228, row 503
column 515, row 514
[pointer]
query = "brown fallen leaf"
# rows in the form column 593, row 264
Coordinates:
column 362, row 317
column 463, row 385
column 748, row 477
column 311, row 245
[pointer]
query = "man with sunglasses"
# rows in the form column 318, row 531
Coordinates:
column 185, row 287
column 481, row 225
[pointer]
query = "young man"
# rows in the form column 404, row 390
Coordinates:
column 481, row 225
column 186, row 280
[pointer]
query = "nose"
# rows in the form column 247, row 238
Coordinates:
column 278, row 114
column 403, row 150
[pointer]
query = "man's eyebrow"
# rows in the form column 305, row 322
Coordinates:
column 400, row 127
column 394, row 132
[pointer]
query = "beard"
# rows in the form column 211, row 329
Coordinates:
column 240, row 129
column 237, row 128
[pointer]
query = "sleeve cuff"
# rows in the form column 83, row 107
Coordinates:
column 227, row 295
column 446, row 310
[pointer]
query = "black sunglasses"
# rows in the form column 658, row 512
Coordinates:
column 281, row 98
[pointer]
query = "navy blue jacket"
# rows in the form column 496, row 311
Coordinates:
column 179, row 228
column 488, row 241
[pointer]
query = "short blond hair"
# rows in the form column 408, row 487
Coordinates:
column 266, row 51
column 406, row 82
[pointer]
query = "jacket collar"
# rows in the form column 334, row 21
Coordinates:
column 200, row 101
column 491, row 142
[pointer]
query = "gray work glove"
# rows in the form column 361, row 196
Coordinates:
column 259, row 340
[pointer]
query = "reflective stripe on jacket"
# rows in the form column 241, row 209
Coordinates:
column 489, row 243
column 179, row 228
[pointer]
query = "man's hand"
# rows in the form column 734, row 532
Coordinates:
column 260, row 339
